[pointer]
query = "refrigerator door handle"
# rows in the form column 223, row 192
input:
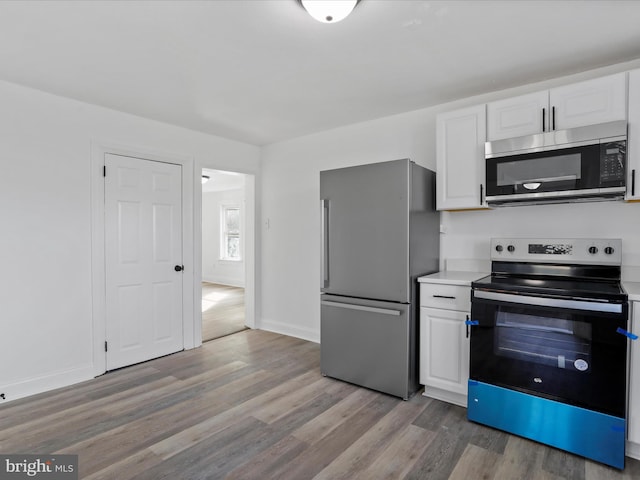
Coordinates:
column 384, row 311
column 324, row 215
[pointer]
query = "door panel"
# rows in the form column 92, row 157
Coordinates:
column 590, row 102
column 367, row 227
column 143, row 244
column 514, row 117
column 460, row 139
column 444, row 350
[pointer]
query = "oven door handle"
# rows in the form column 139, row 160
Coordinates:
column 469, row 323
column 549, row 302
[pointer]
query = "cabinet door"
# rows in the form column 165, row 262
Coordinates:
column 460, row 137
column 444, row 350
column 514, row 117
column 588, row 103
column 633, row 426
column 633, row 145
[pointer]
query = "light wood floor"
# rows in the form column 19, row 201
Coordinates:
column 223, row 310
column 254, row 405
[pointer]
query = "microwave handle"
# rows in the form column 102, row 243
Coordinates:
column 544, row 115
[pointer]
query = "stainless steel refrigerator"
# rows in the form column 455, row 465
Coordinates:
column 380, row 232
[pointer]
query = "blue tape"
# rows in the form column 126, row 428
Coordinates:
column 627, row 334
column 471, row 322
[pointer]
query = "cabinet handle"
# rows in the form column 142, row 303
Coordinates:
column 467, row 324
column 544, row 115
column 444, row 296
column 553, row 118
column 633, row 182
column 481, row 191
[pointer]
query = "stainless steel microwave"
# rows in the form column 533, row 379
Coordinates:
column 580, row 164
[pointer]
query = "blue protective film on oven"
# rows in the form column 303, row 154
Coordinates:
column 626, row 334
column 594, row 435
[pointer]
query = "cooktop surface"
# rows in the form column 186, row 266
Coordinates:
column 610, row 290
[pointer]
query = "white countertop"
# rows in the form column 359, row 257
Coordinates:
column 633, row 290
column 453, row 277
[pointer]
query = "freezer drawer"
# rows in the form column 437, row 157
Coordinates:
column 369, row 343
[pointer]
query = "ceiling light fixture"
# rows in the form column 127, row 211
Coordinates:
column 205, row 178
column 329, row 11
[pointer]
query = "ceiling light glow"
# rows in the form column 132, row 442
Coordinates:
column 329, row 11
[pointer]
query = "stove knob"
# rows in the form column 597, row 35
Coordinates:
column 609, row 250
column 511, row 248
column 593, row 250
column 499, row 248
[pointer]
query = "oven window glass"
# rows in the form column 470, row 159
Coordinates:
column 558, row 168
column 556, row 341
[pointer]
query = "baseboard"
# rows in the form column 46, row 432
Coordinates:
column 290, row 330
column 445, row 396
column 633, row 450
column 33, row 386
column 224, row 281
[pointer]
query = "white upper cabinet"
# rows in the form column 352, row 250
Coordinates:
column 633, row 144
column 586, row 103
column 514, row 117
column 460, row 137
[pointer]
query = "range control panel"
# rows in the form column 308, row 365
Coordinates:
column 598, row 251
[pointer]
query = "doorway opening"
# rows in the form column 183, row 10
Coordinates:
column 224, row 253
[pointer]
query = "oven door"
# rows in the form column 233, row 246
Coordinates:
column 561, row 349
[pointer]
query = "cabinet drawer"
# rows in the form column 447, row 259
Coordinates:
column 449, row 297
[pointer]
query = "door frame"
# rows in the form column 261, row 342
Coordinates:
column 191, row 331
column 249, row 246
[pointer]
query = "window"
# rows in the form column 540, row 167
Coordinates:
column 230, row 232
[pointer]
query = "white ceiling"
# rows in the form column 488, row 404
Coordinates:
column 262, row 71
column 220, row 181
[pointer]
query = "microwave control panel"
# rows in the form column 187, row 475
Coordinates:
column 612, row 163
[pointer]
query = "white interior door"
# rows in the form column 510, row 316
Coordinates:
column 143, row 248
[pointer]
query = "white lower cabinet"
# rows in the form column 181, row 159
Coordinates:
column 444, row 344
column 633, row 412
column 444, row 354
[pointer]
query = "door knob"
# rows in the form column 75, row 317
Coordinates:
column 178, row 268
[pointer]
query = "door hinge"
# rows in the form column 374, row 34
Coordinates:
column 105, row 346
column 104, row 171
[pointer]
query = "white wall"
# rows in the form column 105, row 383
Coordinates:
column 214, row 269
column 291, row 215
column 45, row 206
column 291, row 209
